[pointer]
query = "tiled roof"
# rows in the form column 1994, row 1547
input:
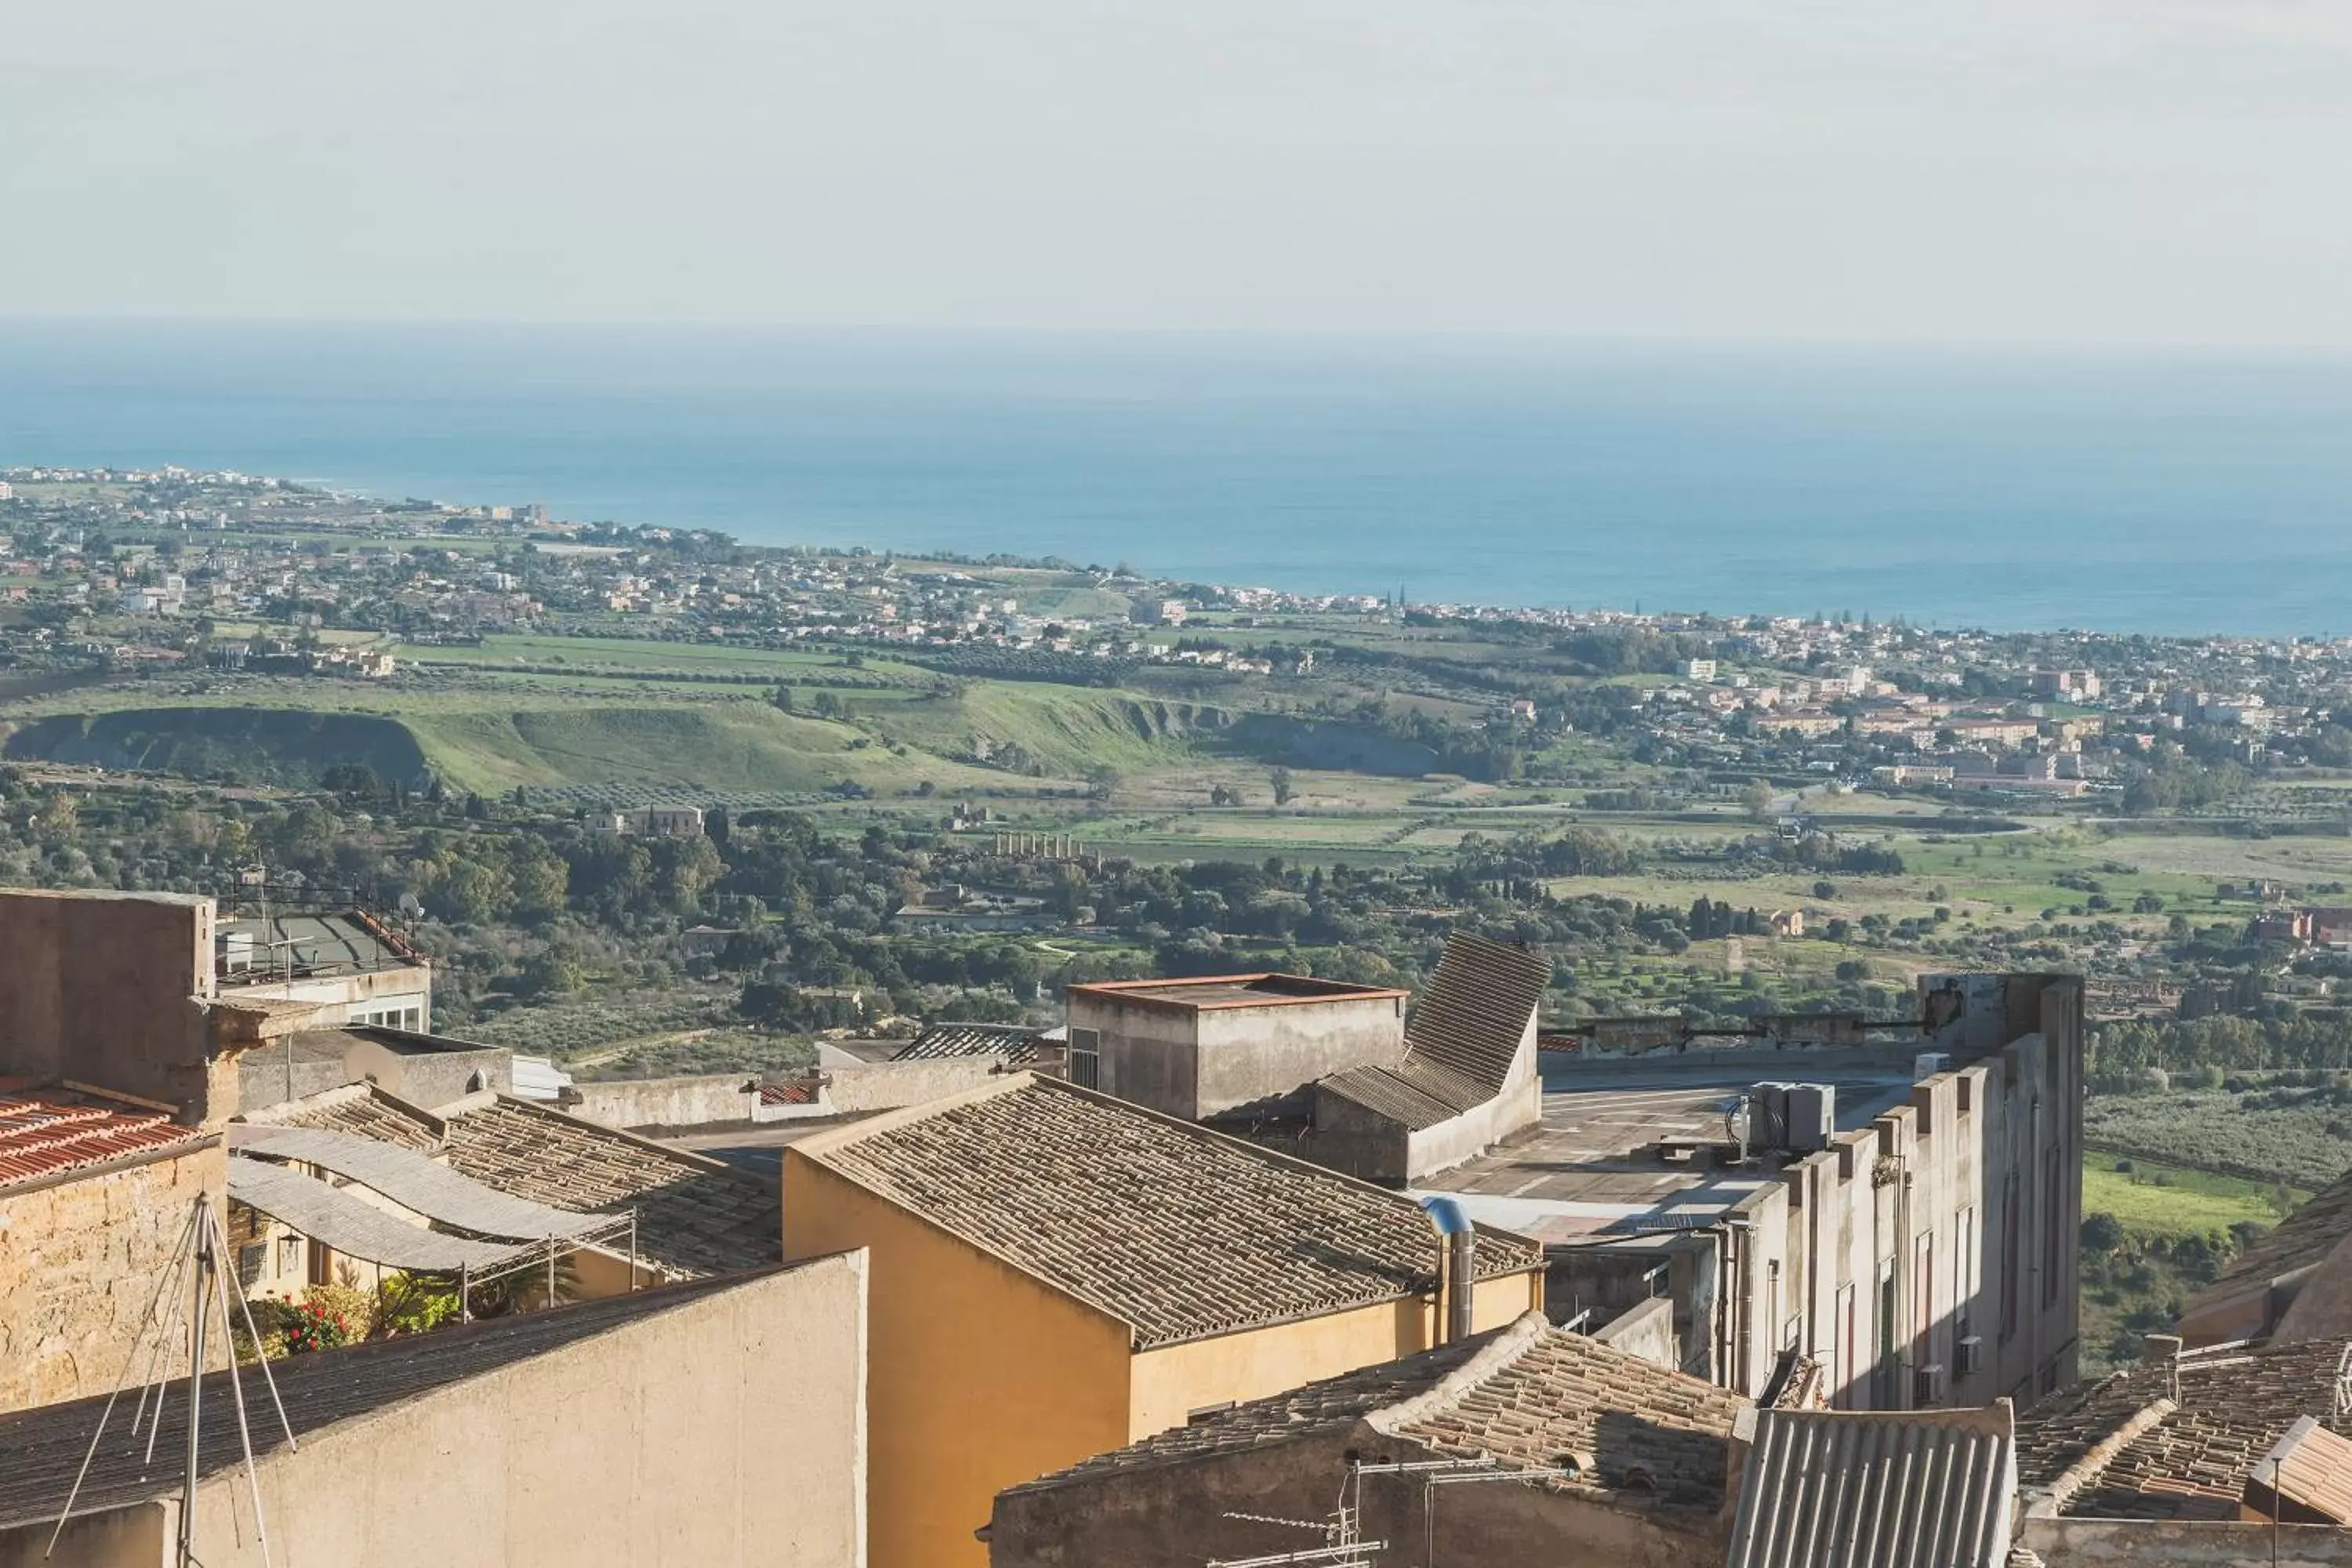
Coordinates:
column 1461, row 1038
column 360, row 1108
column 1472, row 1015
column 1178, row 1231
column 50, row 1130
column 1014, row 1042
column 41, row 1449
column 1829, row 1488
column 2175, row 1441
column 1527, row 1397
column 694, row 1216
column 797, row 1092
column 1417, row 1092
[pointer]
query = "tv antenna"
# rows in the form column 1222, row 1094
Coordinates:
column 197, row 1286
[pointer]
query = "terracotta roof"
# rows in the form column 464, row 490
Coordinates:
column 41, row 1449
column 2176, row 1439
column 1178, row 1231
column 50, row 1130
column 797, row 1092
column 2306, row 1479
column 1014, row 1042
column 695, row 1216
column 1527, row 1397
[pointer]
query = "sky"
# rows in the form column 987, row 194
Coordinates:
column 2103, row 172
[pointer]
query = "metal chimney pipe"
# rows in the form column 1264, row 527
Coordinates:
column 1457, row 1266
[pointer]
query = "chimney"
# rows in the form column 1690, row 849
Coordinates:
column 1457, row 1272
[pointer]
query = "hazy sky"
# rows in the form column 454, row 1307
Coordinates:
column 2146, row 171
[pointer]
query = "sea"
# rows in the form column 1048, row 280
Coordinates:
column 2187, row 493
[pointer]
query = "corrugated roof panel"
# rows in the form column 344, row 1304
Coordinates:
column 1876, row 1489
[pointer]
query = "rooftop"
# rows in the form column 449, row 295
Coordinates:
column 1526, row 1396
column 2176, row 1439
column 1830, row 1489
column 41, row 1449
column 2303, row 1240
column 1015, row 1042
column 1179, row 1232
column 51, row 1130
column 1208, row 992
column 305, row 945
column 1462, row 1038
column 1589, row 1170
column 695, row 1216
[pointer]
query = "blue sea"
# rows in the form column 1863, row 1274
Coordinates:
column 2173, row 493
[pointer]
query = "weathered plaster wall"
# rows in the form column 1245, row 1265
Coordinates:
column 2125, row 1543
column 97, row 987
column 726, row 1430
column 1250, row 1054
column 80, row 1260
column 669, row 1101
column 886, row 1086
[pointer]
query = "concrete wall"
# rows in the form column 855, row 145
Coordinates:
column 1476, row 1130
column 80, row 1259
column 1174, row 1515
column 97, row 987
column 661, row 1441
column 428, row 1076
column 2098, row 1542
column 672, row 1101
column 1149, row 1054
column 1361, row 1142
column 1921, row 1201
column 1646, row 1330
column 140, row 1537
column 982, row 1377
column 1246, row 1055
column 886, row 1086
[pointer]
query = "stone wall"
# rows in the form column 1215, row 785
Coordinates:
column 886, row 1086
column 2125, row 1543
column 80, row 1260
column 678, row 1102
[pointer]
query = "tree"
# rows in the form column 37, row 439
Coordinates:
column 1280, row 779
column 1757, row 800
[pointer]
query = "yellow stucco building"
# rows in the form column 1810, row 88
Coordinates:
column 1057, row 1273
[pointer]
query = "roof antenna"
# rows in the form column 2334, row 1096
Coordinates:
column 197, row 1257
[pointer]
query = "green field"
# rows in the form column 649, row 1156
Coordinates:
column 2157, row 1199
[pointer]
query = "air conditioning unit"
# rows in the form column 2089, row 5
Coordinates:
column 1971, row 1354
column 1812, row 1116
column 1928, row 1064
column 1927, row 1386
column 1768, row 1116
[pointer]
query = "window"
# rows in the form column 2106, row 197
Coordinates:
column 290, row 1254
column 250, row 1261
column 1086, row 1058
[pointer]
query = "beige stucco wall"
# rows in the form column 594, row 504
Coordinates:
column 1172, row 1382
column 982, row 1377
column 726, row 1430
column 886, row 1086
column 80, row 1261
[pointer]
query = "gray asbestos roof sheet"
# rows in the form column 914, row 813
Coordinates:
column 414, row 1180
column 1844, row 1490
column 352, row 1226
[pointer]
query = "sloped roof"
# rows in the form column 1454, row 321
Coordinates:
column 1474, row 1010
column 41, row 1449
column 1923, row 1489
column 1178, row 1231
column 51, row 1130
column 694, row 1216
column 1014, row 1042
column 1461, row 1039
column 1528, row 1396
column 2176, row 1439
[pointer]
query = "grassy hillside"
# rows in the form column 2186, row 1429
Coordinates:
column 1068, row 730
column 724, row 747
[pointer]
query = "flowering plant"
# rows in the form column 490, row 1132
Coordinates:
column 316, row 1326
